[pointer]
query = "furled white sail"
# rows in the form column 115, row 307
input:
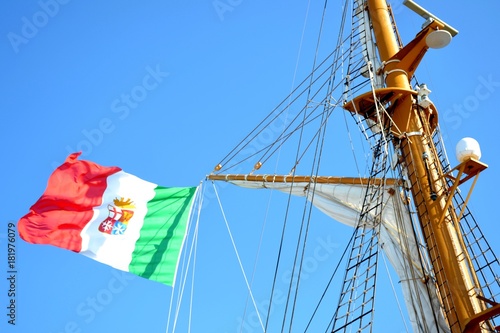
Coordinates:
column 397, row 239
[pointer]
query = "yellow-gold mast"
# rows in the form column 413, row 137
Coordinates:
column 413, row 125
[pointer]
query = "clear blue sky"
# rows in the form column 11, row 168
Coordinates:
column 165, row 89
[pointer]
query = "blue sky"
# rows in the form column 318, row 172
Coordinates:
column 164, row 90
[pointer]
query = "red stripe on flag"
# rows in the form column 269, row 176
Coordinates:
column 66, row 206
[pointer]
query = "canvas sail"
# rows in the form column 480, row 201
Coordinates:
column 343, row 203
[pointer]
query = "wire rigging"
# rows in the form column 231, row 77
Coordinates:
column 238, row 256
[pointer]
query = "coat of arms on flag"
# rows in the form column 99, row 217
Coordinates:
column 119, row 215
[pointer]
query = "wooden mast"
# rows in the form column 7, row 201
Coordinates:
column 414, row 125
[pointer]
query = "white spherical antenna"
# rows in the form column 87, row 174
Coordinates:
column 468, row 148
column 438, row 39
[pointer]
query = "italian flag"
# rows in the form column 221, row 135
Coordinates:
column 112, row 217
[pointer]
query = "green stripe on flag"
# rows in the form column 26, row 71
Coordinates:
column 161, row 237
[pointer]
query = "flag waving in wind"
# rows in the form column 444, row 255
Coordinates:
column 112, row 217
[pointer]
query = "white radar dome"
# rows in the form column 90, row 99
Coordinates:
column 467, row 148
column 438, row 39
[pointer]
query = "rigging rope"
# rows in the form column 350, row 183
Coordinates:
column 395, row 293
column 195, row 244
column 237, row 255
column 328, row 109
column 423, row 260
column 198, row 203
column 256, row 260
column 299, row 248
